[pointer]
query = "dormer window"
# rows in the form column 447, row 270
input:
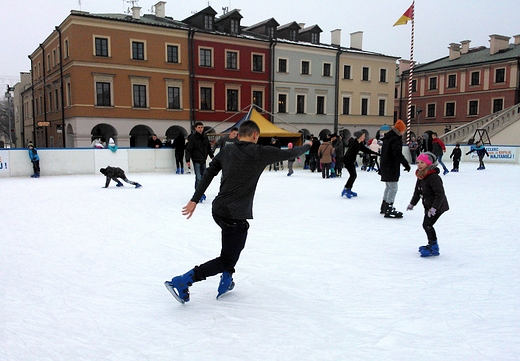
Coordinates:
column 315, row 38
column 234, row 26
column 208, row 22
column 292, row 35
column 270, row 32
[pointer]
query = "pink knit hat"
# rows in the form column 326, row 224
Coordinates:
column 427, row 157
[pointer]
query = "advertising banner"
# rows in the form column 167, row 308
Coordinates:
column 4, row 162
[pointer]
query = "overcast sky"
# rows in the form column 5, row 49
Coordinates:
column 27, row 23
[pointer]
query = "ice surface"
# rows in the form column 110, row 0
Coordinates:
column 321, row 278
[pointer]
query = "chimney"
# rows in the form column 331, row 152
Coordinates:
column 465, row 46
column 160, row 9
column 136, row 12
column 497, row 43
column 454, row 51
column 517, row 39
column 335, row 37
column 302, row 25
column 356, row 40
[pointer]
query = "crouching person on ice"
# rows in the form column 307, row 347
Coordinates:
column 113, row 173
column 429, row 187
column 242, row 164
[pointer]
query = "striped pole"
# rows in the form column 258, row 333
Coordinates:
column 410, row 78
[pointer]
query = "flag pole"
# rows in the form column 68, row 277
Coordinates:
column 410, row 78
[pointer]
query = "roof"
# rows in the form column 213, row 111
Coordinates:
column 474, row 56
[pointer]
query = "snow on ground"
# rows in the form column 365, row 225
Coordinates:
column 321, row 278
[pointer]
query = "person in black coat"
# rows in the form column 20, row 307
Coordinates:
column 154, row 142
column 197, row 151
column 113, row 173
column 179, row 144
column 430, row 189
column 391, row 159
column 456, row 154
column 241, row 164
column 355, row 145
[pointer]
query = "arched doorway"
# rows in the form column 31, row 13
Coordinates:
column 139, row 135
column 104, row 132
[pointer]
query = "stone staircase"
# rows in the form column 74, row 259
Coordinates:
column 493, row 124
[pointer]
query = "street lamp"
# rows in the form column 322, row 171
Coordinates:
column 8, row 96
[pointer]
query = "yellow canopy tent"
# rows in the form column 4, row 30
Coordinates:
column 267, row 130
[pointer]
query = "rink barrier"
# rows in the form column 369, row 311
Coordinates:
column 59, row 161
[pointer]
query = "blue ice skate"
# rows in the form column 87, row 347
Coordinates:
column 179, row 286
column 429, row 250
column 226, row 284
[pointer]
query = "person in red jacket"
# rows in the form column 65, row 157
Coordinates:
column 438, row 149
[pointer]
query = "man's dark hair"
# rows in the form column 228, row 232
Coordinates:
column 234, row 129
column 198, row 123
column 434, row 133
column 247, row 128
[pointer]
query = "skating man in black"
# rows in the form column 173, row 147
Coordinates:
column 242, row 165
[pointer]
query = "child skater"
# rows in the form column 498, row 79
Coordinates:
column 481, row 152
column 290, row 162
column 429, row 187
column 112, row 173
column 456, row 154
column 35, row 160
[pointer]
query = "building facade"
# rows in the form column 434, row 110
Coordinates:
column 468, row 84
column 127, row 76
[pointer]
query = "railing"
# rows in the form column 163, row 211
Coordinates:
column 493, row 123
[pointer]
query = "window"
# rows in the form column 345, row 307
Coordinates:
column 366, row 74
column 139, row 96
column 231, row 60
column 382, row 75
column 473, row 107
column 326, row 69
column 137, row 50
column 382, row 107
column 305, row 67
column 431, row 110
column 258, row 62
column 452, row 81
column 320, row 105
column 282, row 65
column 475, row 78
column 234, row 23
column 258, row 98
column 66, row 48
column 498, row 105
column 56, row 99
column 292, row 35
column 413, row 113
column 315, row 38
column 433, row 83
column 500, row 75
column 103, row 98
column 346, row 72
column 205, row 98
column 172, row 53
column 450, row 109
column 54, row 60
column 208, row 22
column 346, row 106
column 282, row 103
column 174, row 97
column 205, row 57
column 300, row 104
column 414, row 85
column 101, row 47
column 232, row 100
column 364, row 106
column 69, row 94
column 270, row 32
column 48, row 62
